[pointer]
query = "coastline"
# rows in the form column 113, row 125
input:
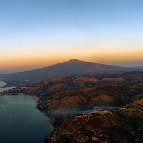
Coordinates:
column 63, row 100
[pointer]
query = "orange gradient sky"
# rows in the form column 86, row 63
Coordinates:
column 25, row 59
column 35, row 34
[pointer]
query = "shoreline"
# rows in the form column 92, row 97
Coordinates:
column 65, row 99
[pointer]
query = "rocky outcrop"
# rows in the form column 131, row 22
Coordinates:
column 121, row 125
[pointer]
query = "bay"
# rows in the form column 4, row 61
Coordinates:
column 21, row 121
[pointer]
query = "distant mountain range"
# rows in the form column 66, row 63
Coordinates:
column 70, row 68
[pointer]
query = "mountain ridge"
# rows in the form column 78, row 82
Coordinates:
column 72, row 67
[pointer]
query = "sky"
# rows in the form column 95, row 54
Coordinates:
column 38, row 33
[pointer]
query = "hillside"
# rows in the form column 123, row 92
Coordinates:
column 69, row 68
column 84, row 92
column 66, row 101
column 121, row 125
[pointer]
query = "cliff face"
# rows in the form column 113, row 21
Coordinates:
column 121, row 125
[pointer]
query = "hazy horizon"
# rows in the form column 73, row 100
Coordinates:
column 36, row 33
column 40, row 67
